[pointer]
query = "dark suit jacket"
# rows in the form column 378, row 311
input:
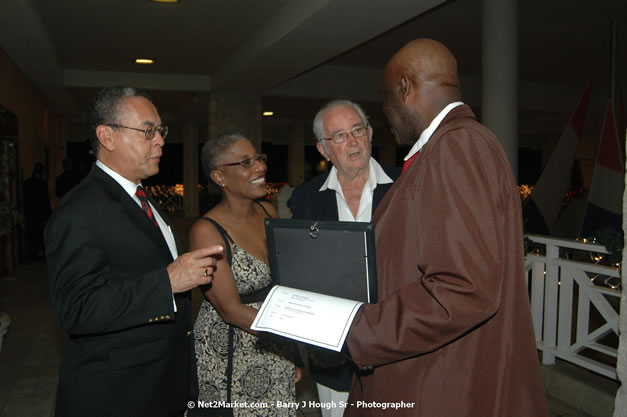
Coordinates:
column 129, row 353
column 311, row 204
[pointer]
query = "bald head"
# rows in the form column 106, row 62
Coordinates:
column 431, row 62
column 418, row 82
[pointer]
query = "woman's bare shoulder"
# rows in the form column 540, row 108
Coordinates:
column 269, row 208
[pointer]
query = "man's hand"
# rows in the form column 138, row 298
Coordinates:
column 193, row 268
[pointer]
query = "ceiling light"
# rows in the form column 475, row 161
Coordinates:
column 165, row 1
column 144, row 61
column 268, row 113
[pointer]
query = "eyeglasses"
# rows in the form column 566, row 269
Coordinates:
column 249, row 162
column 150, row 132
column 341, row 137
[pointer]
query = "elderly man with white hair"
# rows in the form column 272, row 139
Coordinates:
column 350, row 191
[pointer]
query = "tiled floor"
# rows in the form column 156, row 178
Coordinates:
column 32, row 351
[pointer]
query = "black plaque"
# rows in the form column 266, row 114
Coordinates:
column 327, row 257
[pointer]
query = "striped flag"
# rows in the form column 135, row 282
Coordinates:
column 542, row 207
column 605, row 198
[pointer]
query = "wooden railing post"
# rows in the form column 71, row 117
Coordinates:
column 537, row 297
column 550, row 303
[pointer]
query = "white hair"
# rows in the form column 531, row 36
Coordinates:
column 318, row 127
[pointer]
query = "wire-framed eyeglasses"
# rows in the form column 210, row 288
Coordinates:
column 149, row 132
column 341, row 137
column 248, row 162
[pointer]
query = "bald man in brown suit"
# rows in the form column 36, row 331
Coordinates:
column 452, row 333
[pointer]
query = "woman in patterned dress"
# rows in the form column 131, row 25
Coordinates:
column 239, row 371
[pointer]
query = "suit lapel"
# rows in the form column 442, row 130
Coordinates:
column 329, row 205
column 142, row 221
column 378, row 194
column 129, row 208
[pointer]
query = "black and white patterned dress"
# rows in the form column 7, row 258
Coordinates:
column 235, row 366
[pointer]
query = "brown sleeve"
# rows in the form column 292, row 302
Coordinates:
column 451, row 254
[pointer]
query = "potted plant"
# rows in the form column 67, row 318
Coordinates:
column 5, row 321
column 10, row 216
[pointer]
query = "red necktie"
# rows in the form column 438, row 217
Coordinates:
column 409, row 161
column 143, row 198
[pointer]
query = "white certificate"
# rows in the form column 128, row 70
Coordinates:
column 308, row 317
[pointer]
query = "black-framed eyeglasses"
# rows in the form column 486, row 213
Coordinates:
column 341, row 137
column 150, row 132
column 248, row 162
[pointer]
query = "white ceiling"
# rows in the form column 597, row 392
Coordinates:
column 289, row 51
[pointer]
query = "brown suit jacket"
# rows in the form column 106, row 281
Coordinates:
column 452, row 332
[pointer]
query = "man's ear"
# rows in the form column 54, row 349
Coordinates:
column 322, row 150
column 405, row 86
column 105, row 137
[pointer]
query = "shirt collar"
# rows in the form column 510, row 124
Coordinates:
column 426, row 134
column 129, row 186
column 376, row 175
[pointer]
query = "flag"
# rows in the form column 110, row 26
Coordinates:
column 605, row 198
column 543, row 205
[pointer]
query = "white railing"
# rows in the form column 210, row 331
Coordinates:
column 563, row 287
column 169, row 197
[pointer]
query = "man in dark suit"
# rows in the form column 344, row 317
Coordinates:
column 117, row 282
column 350, row 191
column 67, row 179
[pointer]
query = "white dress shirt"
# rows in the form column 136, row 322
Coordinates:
column 426, row 134
column 376, row 175
column 131, row 188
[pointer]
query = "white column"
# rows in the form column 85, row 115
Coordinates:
column 499, row 77
column 620, row 403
